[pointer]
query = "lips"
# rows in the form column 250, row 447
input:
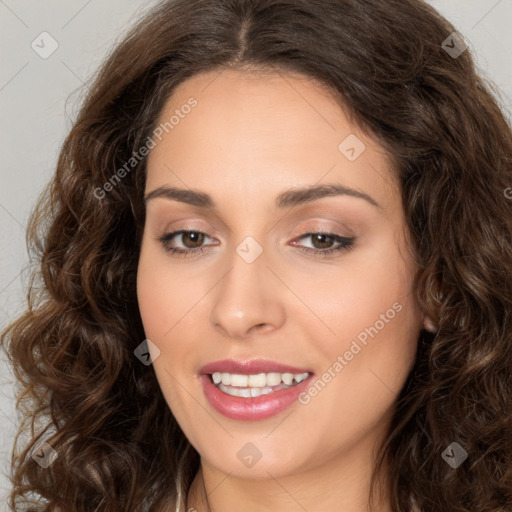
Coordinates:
column 250, row 367
column 252, row 409
column 249, row 407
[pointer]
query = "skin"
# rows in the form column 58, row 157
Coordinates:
column 252, row 136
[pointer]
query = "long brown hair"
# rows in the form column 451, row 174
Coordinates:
column 91, row 400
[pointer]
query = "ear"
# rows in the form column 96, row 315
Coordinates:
column 428, row 324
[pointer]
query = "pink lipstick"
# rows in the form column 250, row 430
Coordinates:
column 252, row 390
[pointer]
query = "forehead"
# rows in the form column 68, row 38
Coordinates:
column 259, row 131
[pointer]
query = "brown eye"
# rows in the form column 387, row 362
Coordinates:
column 325, row 244
column 194, row 237
column 191, row 242
column 321, row 241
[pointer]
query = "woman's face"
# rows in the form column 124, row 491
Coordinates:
column 266, row 286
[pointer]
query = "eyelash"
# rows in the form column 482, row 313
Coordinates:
column 346, row 244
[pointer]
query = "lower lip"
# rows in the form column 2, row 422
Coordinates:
column 252, row 408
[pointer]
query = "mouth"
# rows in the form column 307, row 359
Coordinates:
column 252, row 390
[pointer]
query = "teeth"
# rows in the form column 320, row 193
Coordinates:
column 260, row 380
column 287, row 378
column 256, row 392
column 245, row 392
column 257, row 381
column 239, row 381
column 300, row 377
column 273, row 379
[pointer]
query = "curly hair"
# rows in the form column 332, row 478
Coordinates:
column 81, row 389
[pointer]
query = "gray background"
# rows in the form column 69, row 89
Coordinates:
column 39, row 98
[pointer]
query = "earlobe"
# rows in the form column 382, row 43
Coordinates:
column 428, row 324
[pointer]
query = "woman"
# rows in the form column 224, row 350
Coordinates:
column 276, row 271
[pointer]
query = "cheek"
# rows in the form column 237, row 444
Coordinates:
column 353, row 293
column 156, row 302
column 165, row 298
column 369, row 353
column 371, row 320
column 165, row 294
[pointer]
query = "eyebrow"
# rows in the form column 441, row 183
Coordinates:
column 293, row 197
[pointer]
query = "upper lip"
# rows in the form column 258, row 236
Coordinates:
column 251, row 367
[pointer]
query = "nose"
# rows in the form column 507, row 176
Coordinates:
column 247, row 299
